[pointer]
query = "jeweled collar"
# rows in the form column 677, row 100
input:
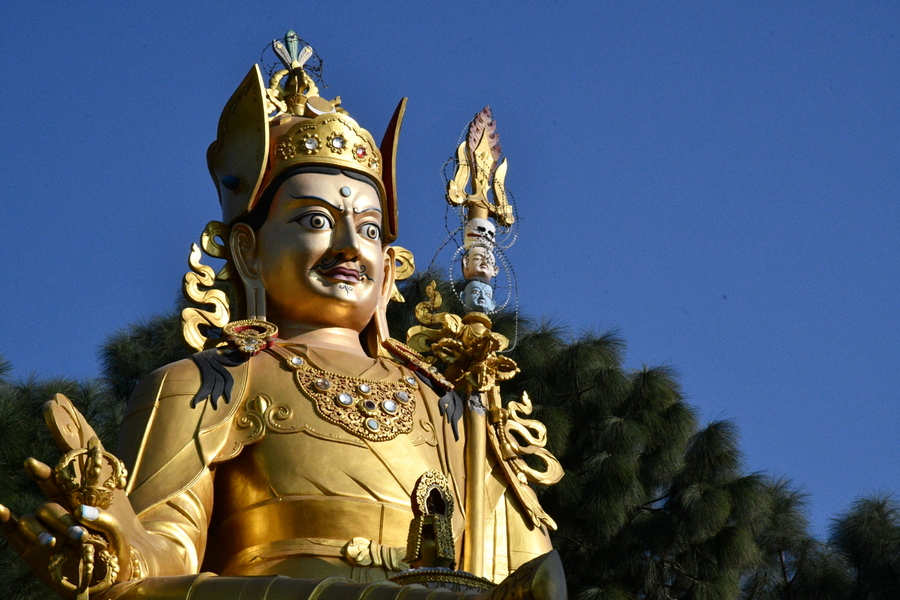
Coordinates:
column 376, row 410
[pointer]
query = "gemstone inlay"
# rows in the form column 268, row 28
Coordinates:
column 375, row 411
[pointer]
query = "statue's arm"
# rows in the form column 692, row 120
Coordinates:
column 173, row 539
column 168, row 446
column 159, row 526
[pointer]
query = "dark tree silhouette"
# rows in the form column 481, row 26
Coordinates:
column 868, row 534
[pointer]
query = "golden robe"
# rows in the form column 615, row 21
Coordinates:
column 263, row 485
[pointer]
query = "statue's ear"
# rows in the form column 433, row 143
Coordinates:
column 390, row 276
column 244, row 251
column 377, row 330
column 245, row 254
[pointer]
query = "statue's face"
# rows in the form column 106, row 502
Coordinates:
column 479, row 296
column 319, row 252
column 479, row 263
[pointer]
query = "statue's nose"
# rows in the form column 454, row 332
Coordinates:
column 345, row 239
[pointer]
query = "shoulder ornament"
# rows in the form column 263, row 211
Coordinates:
column 416, row 362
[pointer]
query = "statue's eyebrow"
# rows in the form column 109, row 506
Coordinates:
column 334, row 206
column 365, row 210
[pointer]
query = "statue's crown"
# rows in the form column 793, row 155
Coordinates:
column 267, row 131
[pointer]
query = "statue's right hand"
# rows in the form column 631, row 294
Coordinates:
column 70, row 550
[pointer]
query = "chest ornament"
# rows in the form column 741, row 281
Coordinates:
column 376, row 411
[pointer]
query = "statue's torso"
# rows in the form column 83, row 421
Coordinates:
column 302, row 487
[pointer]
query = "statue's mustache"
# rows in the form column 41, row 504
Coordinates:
column 325, row 265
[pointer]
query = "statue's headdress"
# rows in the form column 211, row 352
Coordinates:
column 265, row 132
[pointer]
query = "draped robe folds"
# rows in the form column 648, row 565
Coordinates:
column 262, row 485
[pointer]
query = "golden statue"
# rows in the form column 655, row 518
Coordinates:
column 302, row 452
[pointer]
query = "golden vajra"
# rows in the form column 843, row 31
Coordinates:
column 80, row 473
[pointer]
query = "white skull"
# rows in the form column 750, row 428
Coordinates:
column 479, row 230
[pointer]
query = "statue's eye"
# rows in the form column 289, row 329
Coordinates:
column 315, row 220
column 370, row 231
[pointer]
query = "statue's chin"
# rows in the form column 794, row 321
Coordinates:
column 326, row 304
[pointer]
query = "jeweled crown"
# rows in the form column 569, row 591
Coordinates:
column 266, row 131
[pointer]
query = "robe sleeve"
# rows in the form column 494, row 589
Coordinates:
column 169, row 447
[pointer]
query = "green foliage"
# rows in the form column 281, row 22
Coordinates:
column 868, row 535
column 649, row 504
column 18, row 582
column 824, row 574
column 784, row 542
column 861, row 560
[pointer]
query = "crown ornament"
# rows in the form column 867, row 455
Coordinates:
column 265, row 131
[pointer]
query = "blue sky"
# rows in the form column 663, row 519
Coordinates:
column 716, row 181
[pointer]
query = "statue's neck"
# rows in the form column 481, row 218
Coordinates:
column 326, row 338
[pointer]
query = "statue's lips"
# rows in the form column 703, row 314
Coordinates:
column 342, row 274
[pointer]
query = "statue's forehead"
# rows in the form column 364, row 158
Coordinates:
column 326, row 182
column 337, row 189
column 481, row 253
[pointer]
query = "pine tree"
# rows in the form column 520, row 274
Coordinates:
column 868, row 535
column 793, row 564
column 650, row 507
